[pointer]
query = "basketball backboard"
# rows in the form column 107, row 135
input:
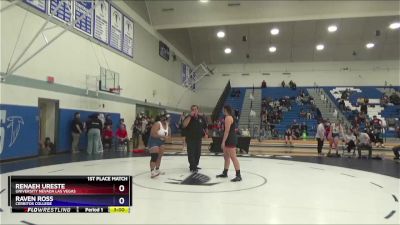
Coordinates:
column 109, row 81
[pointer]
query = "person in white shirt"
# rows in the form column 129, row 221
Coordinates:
column 320, row 136
column 364, row 142
column 337, row 135
column 335, row 114
column 350, row 140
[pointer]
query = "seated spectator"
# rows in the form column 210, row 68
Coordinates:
column 289, row 137
column 384, row 100
column 350, row 140
column 237, row 114
column 108, row 121
column 303, row 113
column 376, row 122
column 304, row 129
column 362, row 117
column 237, row 93
column 48, row 146
column 263, row 84
column 364, row 142
column 344, row 95
column 394, row 99
column 107, row 136
column 396, row 151
column 296, row 133
column 233, row 93
column 335, row 114
column 378, row 137
column 122, row 135
column 309, row 115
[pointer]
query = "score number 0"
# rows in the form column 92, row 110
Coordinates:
column 121, row 200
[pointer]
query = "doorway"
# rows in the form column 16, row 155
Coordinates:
column 49, row 111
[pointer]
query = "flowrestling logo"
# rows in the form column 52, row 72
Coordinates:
column 13, row 124
column 193, row 179
column 181, row 180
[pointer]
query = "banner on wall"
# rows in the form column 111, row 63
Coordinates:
column 101, row 21
column 127, row 46
column 19, row 130
column 116, row 24
column 64, row 12
column 40, row 5
column 163, row 50
column 86, row 23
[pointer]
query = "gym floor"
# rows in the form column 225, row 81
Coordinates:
column 275, row 189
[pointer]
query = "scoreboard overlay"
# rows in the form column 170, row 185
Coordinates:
column 70, row 194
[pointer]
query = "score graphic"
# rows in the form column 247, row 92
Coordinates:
column 70, row 194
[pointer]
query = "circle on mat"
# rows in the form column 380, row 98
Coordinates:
column 180, row 180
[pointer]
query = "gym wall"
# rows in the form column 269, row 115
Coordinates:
column 145, row 79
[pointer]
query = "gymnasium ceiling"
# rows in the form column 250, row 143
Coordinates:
column 191, row 26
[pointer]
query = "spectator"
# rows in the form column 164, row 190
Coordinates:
column 303, row 113
column 364, row 142
column 121, row 121
column 304, row 129
column 394, row 98
column 396, row 152
column 364, row 108
column 77, row 129
column 107, row 136
column 283, row 84
column 263, row 84
column 102, row 119
column 122, row 135
column 136, row 131
column 109, row 121
column 319, row 114
column 289, row 137
column 335, row 114
column 320, row 136
column 295, row 129
column 350, row 141
column 334, row 136
column 376, row 122
column 48, row 146
column 237, row 115
column 309, row 115
column 94, row 127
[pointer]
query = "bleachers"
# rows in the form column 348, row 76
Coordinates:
column 374, row 107
column 235, row 102
column 293, row 114
column 278, row 92
column 372, row 93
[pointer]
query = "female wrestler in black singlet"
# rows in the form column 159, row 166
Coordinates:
column 228, row 145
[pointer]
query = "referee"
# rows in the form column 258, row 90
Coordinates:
column 195, row 128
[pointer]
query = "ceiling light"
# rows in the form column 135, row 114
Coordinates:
column 394, row 26
column 272, row 49
column 332, row 28
column 320, row 47
column 203, row 1
column 370, row 45
column 221, row 34
column 228, row 51
column 274, row 31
